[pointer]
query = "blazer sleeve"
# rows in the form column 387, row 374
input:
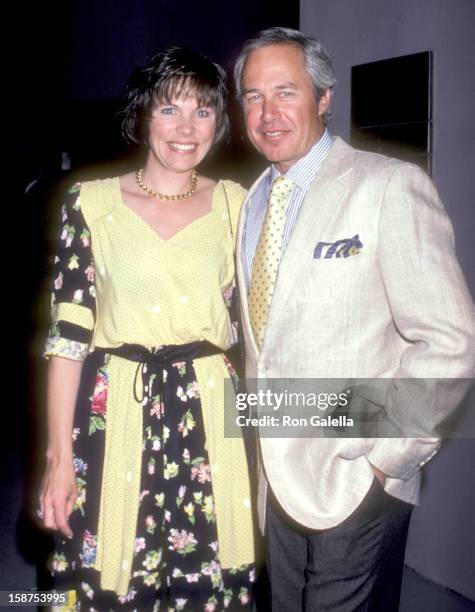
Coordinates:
column 432, row 310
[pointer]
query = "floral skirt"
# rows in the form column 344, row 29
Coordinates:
column 176, row 560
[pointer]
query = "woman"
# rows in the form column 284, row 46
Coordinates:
column 151, row 500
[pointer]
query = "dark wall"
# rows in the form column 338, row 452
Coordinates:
column 74, row 58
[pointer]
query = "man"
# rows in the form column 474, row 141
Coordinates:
column 347, row 271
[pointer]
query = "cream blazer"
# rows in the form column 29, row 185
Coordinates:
column 396, row 307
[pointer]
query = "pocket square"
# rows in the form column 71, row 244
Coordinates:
column 346, row 247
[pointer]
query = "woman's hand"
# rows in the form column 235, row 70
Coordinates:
column 58, row 494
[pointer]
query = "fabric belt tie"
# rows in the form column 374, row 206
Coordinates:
column 163, row 356
column 123, row 453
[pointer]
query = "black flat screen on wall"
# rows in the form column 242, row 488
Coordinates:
column 391, row 106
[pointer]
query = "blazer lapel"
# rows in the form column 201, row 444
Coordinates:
column 325, row 195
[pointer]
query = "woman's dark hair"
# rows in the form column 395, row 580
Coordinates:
column 167, row 75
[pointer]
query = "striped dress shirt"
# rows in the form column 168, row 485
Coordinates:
column 301, row 174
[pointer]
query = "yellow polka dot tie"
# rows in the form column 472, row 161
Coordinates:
column 267, row 258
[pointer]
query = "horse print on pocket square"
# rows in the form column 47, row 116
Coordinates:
column 346, row 247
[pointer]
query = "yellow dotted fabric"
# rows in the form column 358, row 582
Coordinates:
column 163, row 292
column 267, row 258
column 66, row 311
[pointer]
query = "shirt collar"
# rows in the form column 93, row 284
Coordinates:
column 303, row 171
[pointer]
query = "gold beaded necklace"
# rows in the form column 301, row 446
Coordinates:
column 164, row 196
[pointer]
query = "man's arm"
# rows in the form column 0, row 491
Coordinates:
column 432, row 310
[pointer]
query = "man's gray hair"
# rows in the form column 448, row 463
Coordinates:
column 318, row 62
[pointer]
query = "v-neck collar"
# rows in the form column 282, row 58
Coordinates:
column 182, row 230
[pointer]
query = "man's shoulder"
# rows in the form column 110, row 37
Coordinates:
column 356, row 156
column 369, row 164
